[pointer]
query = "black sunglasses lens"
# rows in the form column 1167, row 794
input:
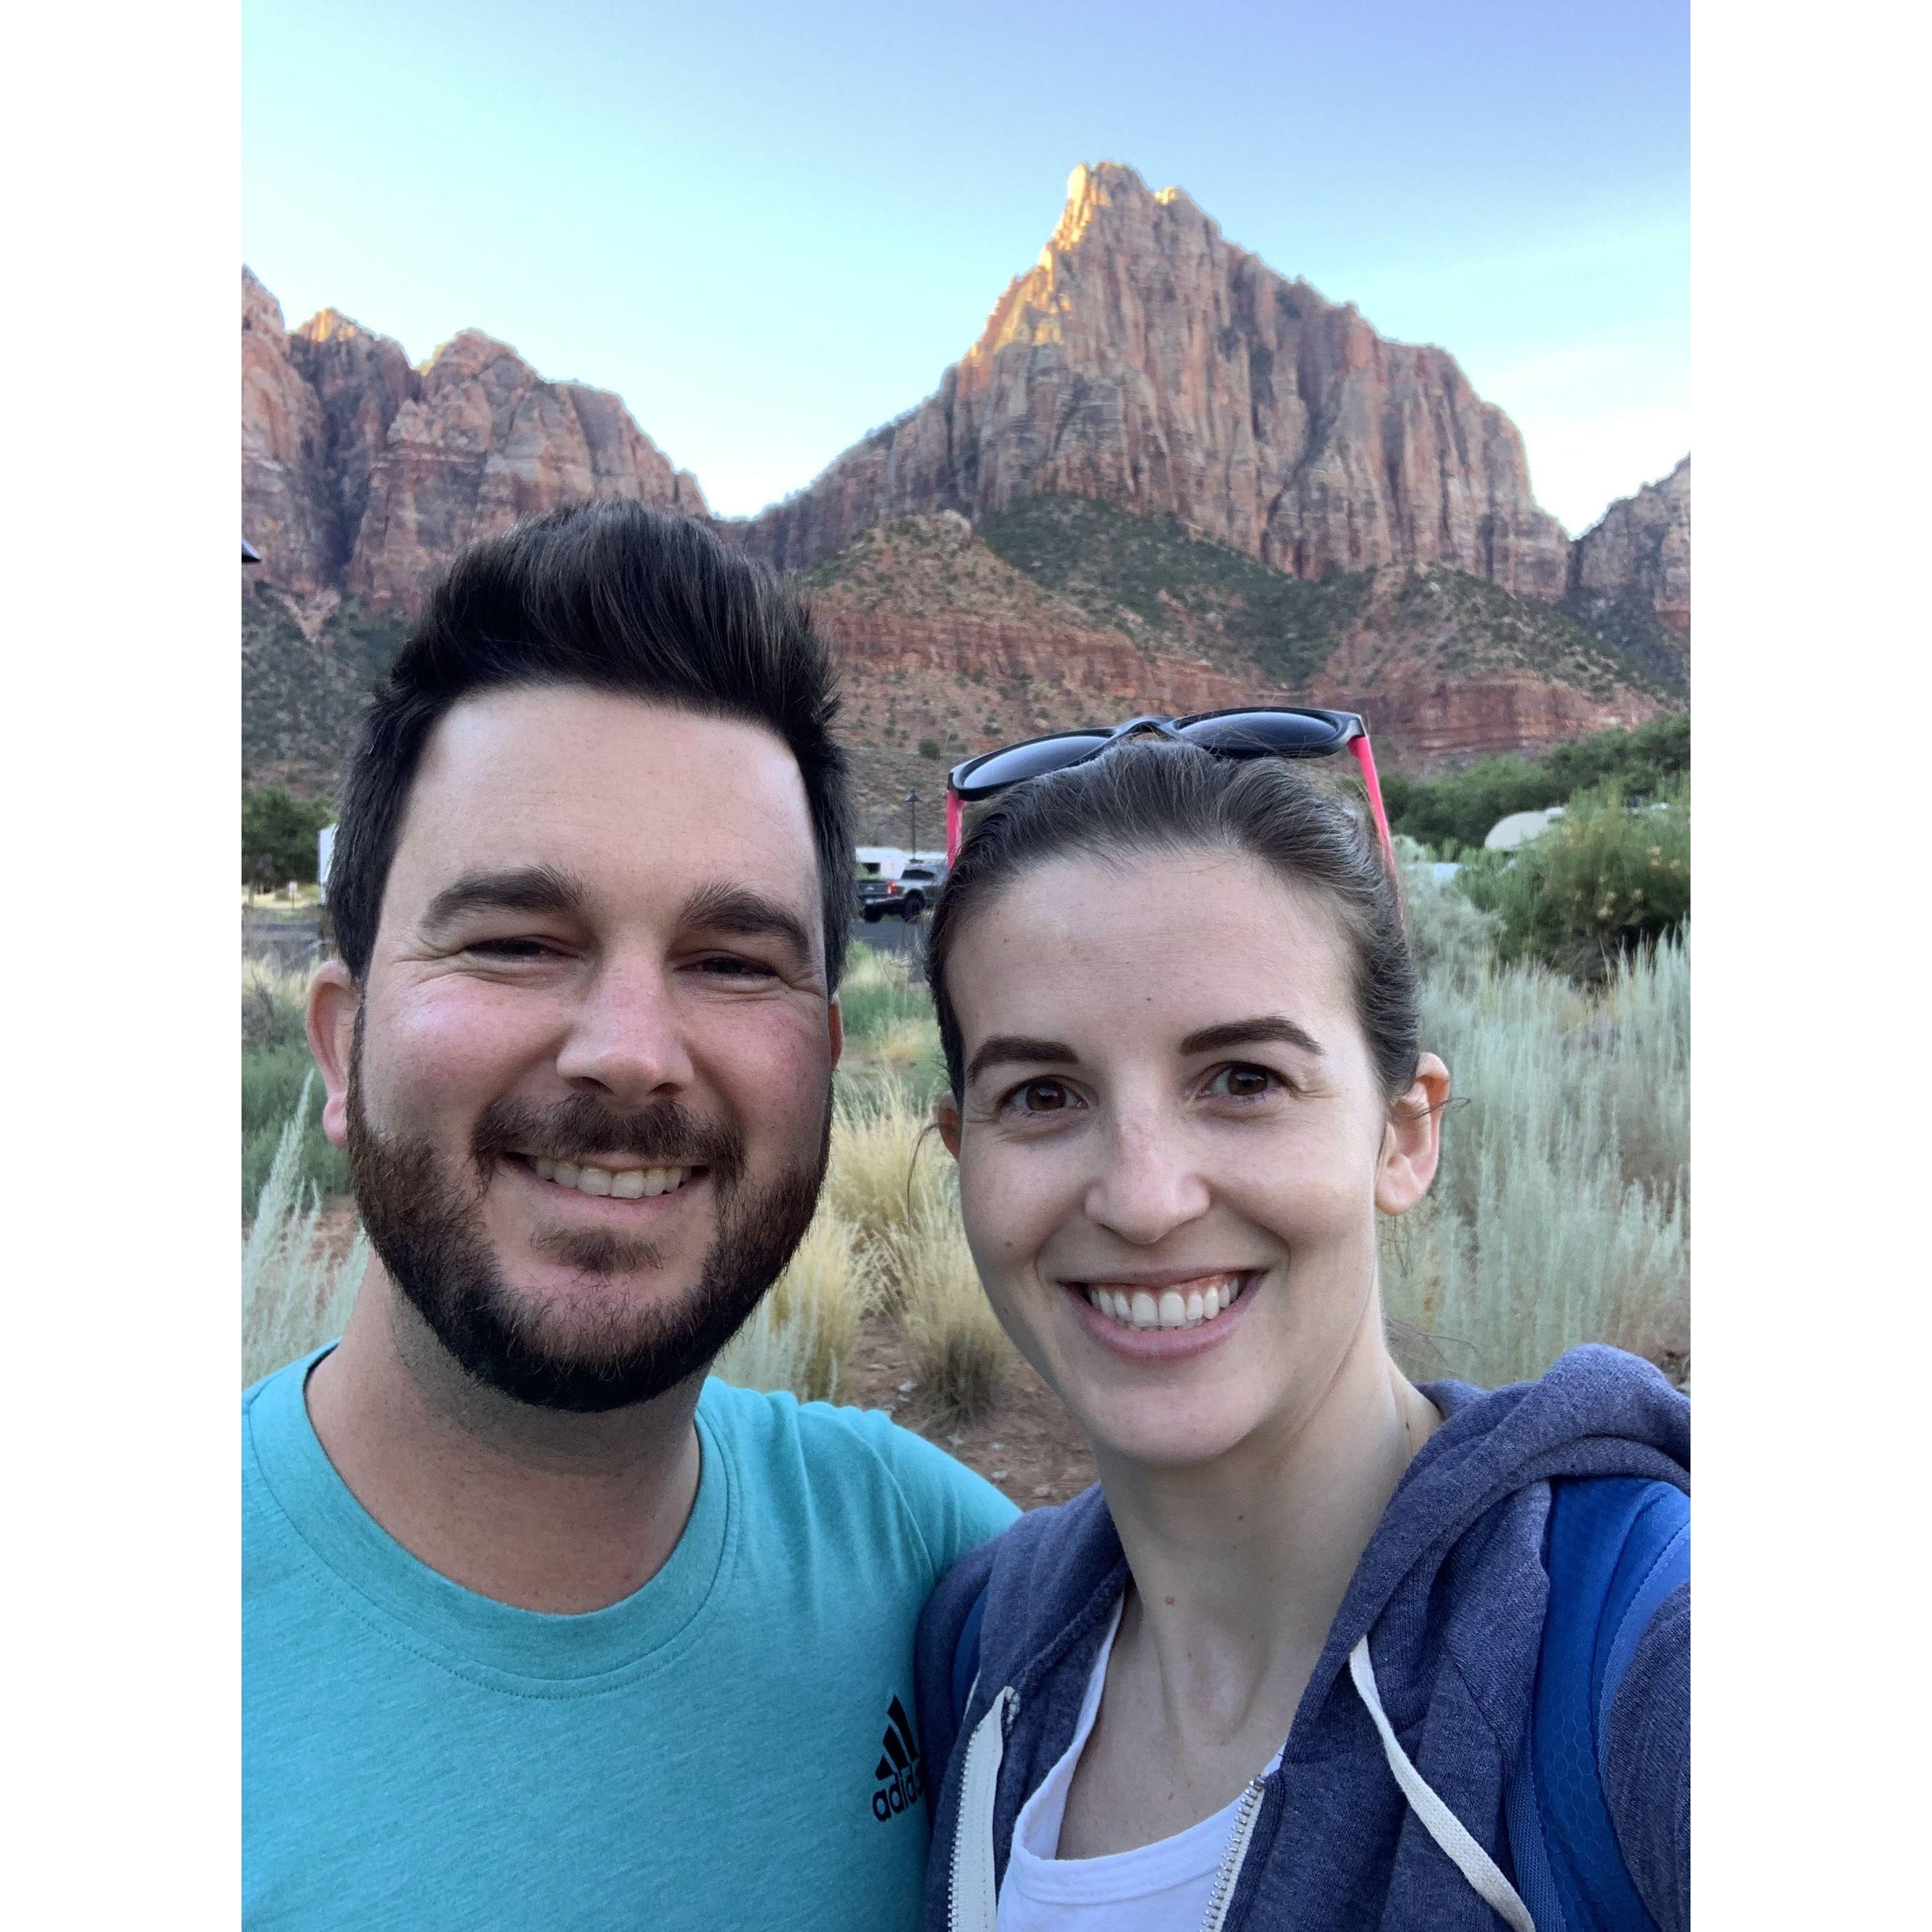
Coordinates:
column 1283, row 733
column 1028, row 761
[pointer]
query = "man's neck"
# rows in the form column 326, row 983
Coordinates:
column 537, row 1508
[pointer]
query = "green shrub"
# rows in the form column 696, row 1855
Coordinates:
column 278, row 834
column 929, row 748
column 1458, row 808
column 1603, row 881
column 275, row 1070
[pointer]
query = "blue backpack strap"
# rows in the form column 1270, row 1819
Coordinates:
column 1616, row 1547
column 966, row 1660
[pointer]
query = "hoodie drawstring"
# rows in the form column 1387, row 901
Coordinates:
column 1440, row 1823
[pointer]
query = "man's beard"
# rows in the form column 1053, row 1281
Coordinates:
column 425, row 1221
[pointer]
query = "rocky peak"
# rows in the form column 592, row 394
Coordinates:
column 1638, row 553
column 261, row 313
column 1145, row 361
column 362, row 474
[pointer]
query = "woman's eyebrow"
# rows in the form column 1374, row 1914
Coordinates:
column 1005, row 1047
column 1277, row 1027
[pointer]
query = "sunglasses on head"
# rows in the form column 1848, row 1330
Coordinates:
column 1265, row 731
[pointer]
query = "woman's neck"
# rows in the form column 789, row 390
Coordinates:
column 1240, row 1565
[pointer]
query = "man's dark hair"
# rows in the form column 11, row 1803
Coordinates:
column 614, row 597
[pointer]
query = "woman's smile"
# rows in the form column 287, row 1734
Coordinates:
column 1162, row 1318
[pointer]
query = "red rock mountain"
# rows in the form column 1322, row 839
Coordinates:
column 361, row 474
column 1639, row 550
column 1164, row 478
column 1146, row 361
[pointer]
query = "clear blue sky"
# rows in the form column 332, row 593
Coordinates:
column 768, row 227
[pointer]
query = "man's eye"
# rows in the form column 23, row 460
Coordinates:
column 509, row 949
column 1242, row 1083
column 735, row 966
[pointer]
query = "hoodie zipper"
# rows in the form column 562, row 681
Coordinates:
column 1237, row 1854
column 972, row 1902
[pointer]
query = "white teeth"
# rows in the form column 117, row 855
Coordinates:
column 630, row 1184
column 1144, row 1308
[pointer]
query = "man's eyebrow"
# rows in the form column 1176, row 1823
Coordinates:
column 1006, row 1047
column 1276, row 1026
column 533, row 889
column 724, row 907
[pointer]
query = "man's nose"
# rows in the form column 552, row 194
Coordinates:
column 1148, row 1183
column 626, row 1037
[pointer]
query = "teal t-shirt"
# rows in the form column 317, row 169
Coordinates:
column 730, row 1746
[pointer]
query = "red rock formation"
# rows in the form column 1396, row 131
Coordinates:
column 287, row 512
column 1146, row 361
column 1640, row 549
column 359, row 473
column 487, row 441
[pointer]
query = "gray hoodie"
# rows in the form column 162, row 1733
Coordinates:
column 1449, row 1593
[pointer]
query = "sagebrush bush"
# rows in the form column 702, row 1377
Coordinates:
column 296, row 1293
column 1603, row 880
column 1560, row 1213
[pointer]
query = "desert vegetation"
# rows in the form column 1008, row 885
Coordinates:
column 1560, row 1214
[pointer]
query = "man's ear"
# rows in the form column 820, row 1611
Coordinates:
column 333, row 1001
column 945, row 1118
column 835, row 1026
column 1412, row 1141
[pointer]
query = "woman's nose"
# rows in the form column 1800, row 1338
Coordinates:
column 1148, row 1184
column 626, row 1037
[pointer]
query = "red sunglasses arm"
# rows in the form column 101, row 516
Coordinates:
column 1358, row 749
column 953, row 815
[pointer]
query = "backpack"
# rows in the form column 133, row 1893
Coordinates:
column 1615, row 1547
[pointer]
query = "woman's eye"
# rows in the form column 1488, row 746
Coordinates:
column 1041, row 1096
column 1242, row 1083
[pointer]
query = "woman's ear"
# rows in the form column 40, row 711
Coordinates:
column 334, row 1000
column 1412, row 1141
column 945, row 1118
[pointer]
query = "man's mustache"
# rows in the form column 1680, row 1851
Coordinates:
column 663, row 1134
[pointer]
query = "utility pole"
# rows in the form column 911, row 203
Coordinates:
column 911, row 801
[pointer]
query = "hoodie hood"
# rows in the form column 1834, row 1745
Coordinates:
column 1450, row 1592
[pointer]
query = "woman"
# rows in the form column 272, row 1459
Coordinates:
column 1312, row 1655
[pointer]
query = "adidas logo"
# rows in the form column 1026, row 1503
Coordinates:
column 901, row 1775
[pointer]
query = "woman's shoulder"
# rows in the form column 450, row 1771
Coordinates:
column 1025, row 1594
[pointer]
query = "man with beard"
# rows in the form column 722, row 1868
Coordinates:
column 542, row 1629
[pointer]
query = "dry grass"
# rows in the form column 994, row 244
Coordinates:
column 295, row 1295
column 958, row 1346
column 802, row 1336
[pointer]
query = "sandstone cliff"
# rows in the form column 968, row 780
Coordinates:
column 1146, row 361
column 1639, row 550
column 360, row 474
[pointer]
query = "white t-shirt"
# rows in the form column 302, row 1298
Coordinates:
column 1163, row 1887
